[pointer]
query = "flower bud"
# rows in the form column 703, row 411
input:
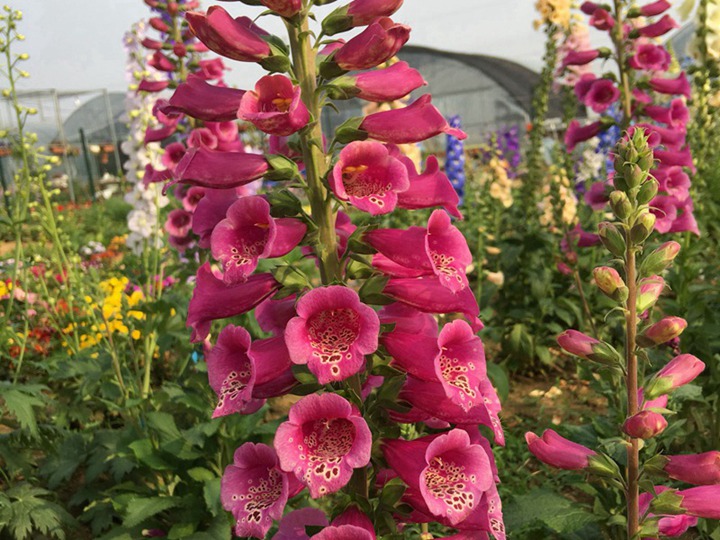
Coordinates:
column 662, row 331
column 649, row 291
column 679, row 371
column 643, row 227
column 645, row 425
column 610, row 283
column 702, row 501
column 698, row 469
column 603, row 465
column 647, row 191
column 634, row 174
column 588, row 348
column 557, row 451
column 611, row 238
column 620, row 204
column 659, row 259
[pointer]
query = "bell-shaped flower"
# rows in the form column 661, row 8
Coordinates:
column 674, row 181
column 178, row 223
column 255, row 490
column 192, row 198
column 273, row 315
column 355, row 517
column 602, row 19
column 655, row 8
column 343, row 532
column 212, row 299
column 575, row 133
column 324, row 439
column 645, row 425
column 675, row 115
column 202, row 138
column 249, row 233
column 414, row 123
column 293, row 524
column 275, row 106
column 702, row 501
column 658, row 28
column 650, row 57
column 219, row 170
column 358, row 13
column 662, row 331
column 203, row 101
column 678, row 372
column 159, row 61
column 649, row 290
column 679, row 85
column 598, row 94
column 440, row 250
column 211, row 69
column 238, row 39
column 698, row 469
column 379, row 85
column 244, row 374
column 146, row 85
column 379, row 42
column 668, row 525
column 580, row 58
column 369, row 177
column 332, row 333
column 448, row 472
column 285, row 8
column 557, row 451
column 588, row 348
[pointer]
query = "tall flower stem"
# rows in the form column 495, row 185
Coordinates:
column 633, row 451
column 620, row 56
column 311, row 141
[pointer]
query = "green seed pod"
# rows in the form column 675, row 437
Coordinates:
column 647, row 191
column 611, row 238
column 620, row 204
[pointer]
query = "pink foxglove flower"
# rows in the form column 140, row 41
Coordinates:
column 343, row 532
column 244, row 374
column 381, row 85
column 702, row 501
column 440, row 250
column 212, row 299
column 286, row 8
column 153, row 86
column 650, row 57
column 662, row 331
column 364, row 12
column 273, row 315
column 447, row 475
column 204, row 101
column 368, row 176
column 332, row 333
column 237, row 39
column 292, row 525
column 354, row 516
column 580, row 58
column 698, row 469
column 275, row 106
column 192, row 198
column 324, row 439
column 649, row 290
column 679, row 85
column 219, row 170
column 379, row 42
column 668, row 525
column 557, row 451
column 255, row 490
column 411, row 124
column 211, row 210
column 659, row 28
column 678, row 372
column 428, row 189
column 178, row 223
column 674, row 181
column 576, row 133
column 211, row 69
column 601, row 95
column 602, row 19
column 248, row 234
column 202, row 138
column 655, row 8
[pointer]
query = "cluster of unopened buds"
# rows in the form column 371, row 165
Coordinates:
column 657, row 102
column 660, row 510
column 364, row 347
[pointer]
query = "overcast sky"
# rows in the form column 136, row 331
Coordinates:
column 77, row 44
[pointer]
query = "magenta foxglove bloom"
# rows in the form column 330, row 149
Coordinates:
column 557, row 451
column 448, row 474
column 211, row 210
column 429, row 189
column 178, row 223
column 255, row 490
column 665, row 210
column 576, row 133
column 219, row 170
column 353, row 516
column 204, row 101
column 174, row 152
column 674, row 181
column 602, row 19
column 678, row 372
column 411, row 124
column 286, row 8
column 601, row 94
column 212, row 299
column 662, row 331
column 686, row 221
column 703, row 501
column 368, row 176
column 650, row 57
column 655, row 8
column 161, row 62
column 275, row 106
column 238, row 39
column 332, row 333
column 440, row 250
column 645, row 425
column 658, row 28
column 382, row 85
column 202, row 138
column 163, row 131
column 153, row 86
column 676, row 115
column 211, row 69
column 364, row 12
column 429, row 295
column 324, row 439
column 580, row 58
column 192, row 198
column 379, row 42
column 679, row 85
column 243, row 374
column 248, row 234
column 698, row 469
column 273, row 315
column 679, row 158
column 343, row 532
column 597, row 196
column 649, row 290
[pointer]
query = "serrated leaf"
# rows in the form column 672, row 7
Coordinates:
column 140, row 509
column 20, row 401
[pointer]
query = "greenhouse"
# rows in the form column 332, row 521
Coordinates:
column 360, row 270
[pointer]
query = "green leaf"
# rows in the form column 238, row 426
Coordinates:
column 556, row 512
column 140, row 509
column 20, row 401
column 145, row 453
column 164, row 423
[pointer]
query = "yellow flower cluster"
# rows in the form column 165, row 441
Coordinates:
column 558, row 191
column 555, row 12
column 495, row 172
column 5, row 288
column 110, row 308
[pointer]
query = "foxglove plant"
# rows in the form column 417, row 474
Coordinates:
column 363, row 342
column 665, row 511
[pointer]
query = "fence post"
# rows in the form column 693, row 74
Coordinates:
column 86, row 156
